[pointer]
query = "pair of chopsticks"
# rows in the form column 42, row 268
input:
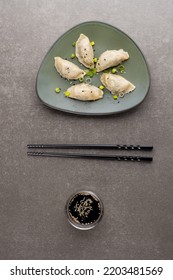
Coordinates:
column 90, row 156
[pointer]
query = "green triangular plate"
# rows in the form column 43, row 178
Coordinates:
column 106, row 37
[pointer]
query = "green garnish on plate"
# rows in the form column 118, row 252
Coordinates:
column 114, row 70
column 94, row 70
column 81, row 80
column 73, row 55
column 57, row 90
column 121, row 68
column 67, row 93
column 115, row 97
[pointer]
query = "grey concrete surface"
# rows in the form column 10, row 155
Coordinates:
column 138, row 198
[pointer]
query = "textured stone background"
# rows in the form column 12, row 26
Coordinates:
column 138, row 198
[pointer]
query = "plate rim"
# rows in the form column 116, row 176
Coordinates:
column 88, row 113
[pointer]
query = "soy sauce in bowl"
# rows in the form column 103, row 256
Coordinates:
column 84, row 210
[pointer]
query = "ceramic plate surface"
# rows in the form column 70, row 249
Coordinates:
column 106, row 37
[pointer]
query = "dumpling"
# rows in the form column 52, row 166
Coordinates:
column 116, row 84
column 84, row 51
column 111, row 58
column 68, row 70
column 84, row 92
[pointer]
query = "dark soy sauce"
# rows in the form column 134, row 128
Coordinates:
column 84, row 208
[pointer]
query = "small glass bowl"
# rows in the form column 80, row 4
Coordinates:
column 84, row 210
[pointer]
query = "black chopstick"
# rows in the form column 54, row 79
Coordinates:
column 90, row 146
column 90, row 156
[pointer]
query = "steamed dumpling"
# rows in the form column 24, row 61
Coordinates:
column 111, row 58
column 84, row 51
column 68, row 70
column 116, row 84
column 85, row 92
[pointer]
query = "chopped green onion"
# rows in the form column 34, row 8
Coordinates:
column 91, row 74
column 57, row 90
column 92, row 43
column 106, row 71
column 74, row 44
column 87, row 72
column 67, row 93
column 114, row 70
column 81, row 80
column 94, row 70
column 115, row 97
column 95, row 59
column 121, row 67
column 101, row 87
column 73, row 55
